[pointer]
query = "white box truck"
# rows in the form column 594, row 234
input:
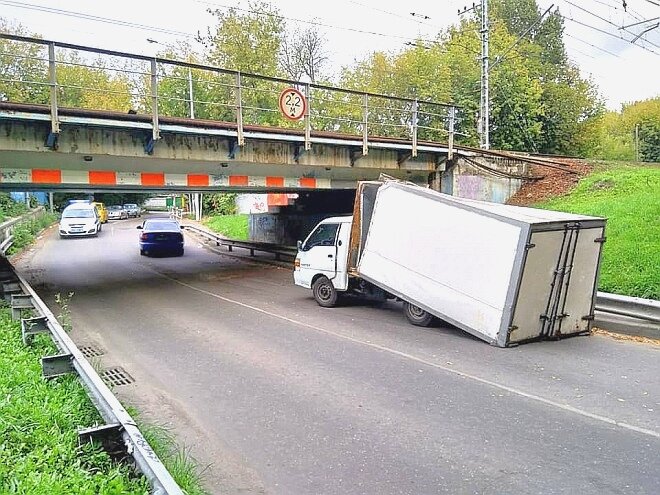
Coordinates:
column 505, row 274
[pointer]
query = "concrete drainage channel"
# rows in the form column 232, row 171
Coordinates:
column 120, row 429
column 619, row 314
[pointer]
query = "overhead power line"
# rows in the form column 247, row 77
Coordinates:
column 608, row 22
column 96, row 18
column 592, row 45
column 619, row 37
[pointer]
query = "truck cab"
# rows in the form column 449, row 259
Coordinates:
column 322, row 260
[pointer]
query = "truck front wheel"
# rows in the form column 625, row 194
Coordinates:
column 324, row 292
column 416, row 315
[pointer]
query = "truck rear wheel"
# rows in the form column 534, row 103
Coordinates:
column 416, row 315
column 324, row 292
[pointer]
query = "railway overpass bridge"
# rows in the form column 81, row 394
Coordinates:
column 176, row 134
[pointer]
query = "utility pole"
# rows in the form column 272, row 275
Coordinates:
column 484, row 117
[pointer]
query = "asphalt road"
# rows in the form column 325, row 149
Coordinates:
column 273, row 394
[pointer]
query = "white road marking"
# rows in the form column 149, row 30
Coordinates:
column 512, row 390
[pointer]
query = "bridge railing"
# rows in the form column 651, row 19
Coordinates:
column 65, row 75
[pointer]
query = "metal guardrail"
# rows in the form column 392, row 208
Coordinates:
column 6, row 228
column 631, row 307
column 263, row 247
column 120, row 431
column 628, row 315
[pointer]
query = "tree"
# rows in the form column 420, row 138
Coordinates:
column 23, row 68
column 247, row 42
column 83, row 83
column 303, row 54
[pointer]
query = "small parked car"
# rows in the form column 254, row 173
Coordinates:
column 133, row 210
column 79, row 219
column 117, row 212
column 161, row 236
column 102, row 211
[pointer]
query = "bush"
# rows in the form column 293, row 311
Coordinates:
column 10, row 208
column 220, row 204
column 24, row 233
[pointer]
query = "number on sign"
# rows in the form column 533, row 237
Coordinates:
column 293, row 104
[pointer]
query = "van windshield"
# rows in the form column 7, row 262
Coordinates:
column 78, row 213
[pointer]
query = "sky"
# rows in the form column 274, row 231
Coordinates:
column 623, row 72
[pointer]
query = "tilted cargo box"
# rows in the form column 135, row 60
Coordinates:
column 506, row 274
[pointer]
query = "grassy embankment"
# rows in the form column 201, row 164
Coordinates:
column 629, row 196
column 39, row 451
column 231, row 226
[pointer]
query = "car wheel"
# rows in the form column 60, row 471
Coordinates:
column 324, row 292
column 416, row 315
column 142, row 252
column 180, row 253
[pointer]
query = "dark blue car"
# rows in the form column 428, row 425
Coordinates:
column 161, row 236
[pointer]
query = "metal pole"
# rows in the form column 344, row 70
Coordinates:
column 190, row 94
column 414, row 127
column 365, row 124
column 239, row 111
column 154, row 100
column 450, row 140
column 50, row 201
column 54, row 118
column 485, row 99
column 308, row 123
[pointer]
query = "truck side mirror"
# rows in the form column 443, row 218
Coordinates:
column 299, row 245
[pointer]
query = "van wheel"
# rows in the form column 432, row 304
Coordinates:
column 324, row 292
column 416, row 315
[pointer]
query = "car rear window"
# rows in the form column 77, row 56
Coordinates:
column 161, row 225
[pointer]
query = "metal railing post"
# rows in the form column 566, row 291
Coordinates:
column 190, row 94
column 450, row 139
column 308, row 123
column 154, row 100
column 415, row 108
column 365, row 124
column 54, row 118
column 239, row 111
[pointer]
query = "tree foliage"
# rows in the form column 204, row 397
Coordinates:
column 619, row 131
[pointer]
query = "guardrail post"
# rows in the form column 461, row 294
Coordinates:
column 450, row 139
column 239, row 111
column 51, row 141
column 415, row 108
column 365, row 124
column 308, row 124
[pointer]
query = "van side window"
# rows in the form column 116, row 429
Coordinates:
column 324, row 235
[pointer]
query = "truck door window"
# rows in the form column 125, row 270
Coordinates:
column 324, row 235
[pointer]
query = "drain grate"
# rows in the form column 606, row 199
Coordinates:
column 116, row 376
column 90, row 351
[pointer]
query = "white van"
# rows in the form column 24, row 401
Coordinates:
column 80, row 219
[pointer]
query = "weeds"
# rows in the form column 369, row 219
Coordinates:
column 64, row 316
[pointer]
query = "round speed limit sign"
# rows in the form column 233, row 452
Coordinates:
column 293, row 104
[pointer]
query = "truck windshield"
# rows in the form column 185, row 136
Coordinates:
column 324, row 235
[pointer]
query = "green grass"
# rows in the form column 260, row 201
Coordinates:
column 231, row 226
column 39, row 419
column 25, row 232
column 629, row 196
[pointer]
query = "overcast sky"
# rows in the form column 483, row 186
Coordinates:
column 626, row 73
